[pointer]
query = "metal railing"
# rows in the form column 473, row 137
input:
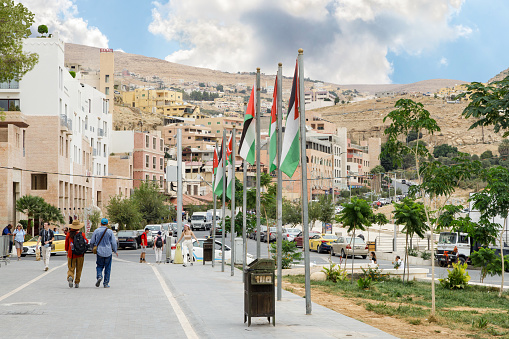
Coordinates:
column 69, row 124
column 94, row 152
column 100, row 132
column 9, row 85
column 63, row 120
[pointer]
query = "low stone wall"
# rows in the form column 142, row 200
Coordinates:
column 411, row 260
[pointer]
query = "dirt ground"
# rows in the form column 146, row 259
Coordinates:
column 353, row 308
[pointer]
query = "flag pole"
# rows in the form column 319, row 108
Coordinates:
column 232, row 235
column 179, row 183
column 244, row 210
column 279, row 139
column 223, row 154
column 303, row 163
column 258, row 192
column 214, row 216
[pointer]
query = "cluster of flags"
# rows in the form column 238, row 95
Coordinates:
column 290, row 154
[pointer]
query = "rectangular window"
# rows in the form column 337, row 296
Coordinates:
column 147, row 159
column 147, row 177
column 161, row 162
column 39, row 181
column 154, row 162
column 9, row 105
column 107, row 90
column 154, row 143
column 147, row 141
column 161, row 144
column 107, row 78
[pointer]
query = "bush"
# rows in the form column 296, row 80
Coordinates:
column 334, row 273
column 375, row 274
column 413, row 252
column 290, row 253
column 458, row 277
column 489, row 262
column 364, row 283
column 425, row 255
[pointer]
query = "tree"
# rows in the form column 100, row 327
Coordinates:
column 292, row 213
column 42, row 29
column 219, row 88
column 411, row 214
column 30, row 205
column 413, row 135
column 486, row 155
column 503, row 148
column 379, row 219
column 355, row 215
column 94, row 218
column 377, row 172
column 150, row 202
column 51, row 213
column 489, row 262
column 493, row 201
column 15, row 23
column 124, row 212
column 444, row 150
column 313, row 213
column 326, row 210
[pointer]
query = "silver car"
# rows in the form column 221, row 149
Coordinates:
column 343, row 247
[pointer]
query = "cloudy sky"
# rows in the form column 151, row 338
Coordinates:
column 344, row 41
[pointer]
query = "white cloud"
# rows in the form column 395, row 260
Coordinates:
column 62, row 16
column 344, row 41
column 443, row 62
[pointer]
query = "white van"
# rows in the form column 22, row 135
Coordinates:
column 154, row 229
column 198, row 221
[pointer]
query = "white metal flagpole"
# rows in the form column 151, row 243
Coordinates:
column 279, row 118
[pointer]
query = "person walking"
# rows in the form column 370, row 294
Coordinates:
column 158, row 247
column 144, row 243
column 104, row 239
column 19, row 239
column 188, row 242
column 7, row 231
column 75, row 246
column 46, row 237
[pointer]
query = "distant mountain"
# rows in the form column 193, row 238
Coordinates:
column 500, row 76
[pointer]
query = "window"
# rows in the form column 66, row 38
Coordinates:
column 154, row 162
column 107, row 78
column 161, row 162
column 10, row 105
column 147, row 159
column 146, row 177
column 107, row 90
column 160, row 181
column 154, row 178
column 39, row 181
column 154, row 143
column 147, row 141
column 161, row 144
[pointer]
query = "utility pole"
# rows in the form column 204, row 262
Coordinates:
column 258, row 191
column 279, row 123
column 179, row 183
column 232, row 219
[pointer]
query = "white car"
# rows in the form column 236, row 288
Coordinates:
column 291, row 233
column 198, row 251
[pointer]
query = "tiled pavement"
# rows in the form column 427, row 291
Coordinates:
column 147, row 301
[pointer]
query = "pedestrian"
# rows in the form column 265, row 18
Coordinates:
column 158, row 247
column 373, row 258
column 19, row 239
column 7, row 231
column 143, row 243
column 75, row 246
column 46, row 237
column 55, row 230
column 104, row 239
column 188, row 242
column 399, row 264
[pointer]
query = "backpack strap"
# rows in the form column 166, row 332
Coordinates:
column 102, row 236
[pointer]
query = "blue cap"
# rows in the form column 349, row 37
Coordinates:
column 104, row 221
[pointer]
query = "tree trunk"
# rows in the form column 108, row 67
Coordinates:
column 352, row 242
column 406, row 260
column 502, row 257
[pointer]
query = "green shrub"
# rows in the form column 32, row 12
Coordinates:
column 413, row 252
column 375, row 274
column 335, row 273
column 426, row 255
column 289, row 254
column 364, row 283
column 458, row 277
column 489, row 262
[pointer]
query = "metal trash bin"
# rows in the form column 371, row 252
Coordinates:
column 371, row 246
column 208, row 247
column 259, row 296
column 4, row 248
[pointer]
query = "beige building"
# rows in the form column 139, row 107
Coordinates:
column 120, row 179
column 195, row 136
column 218, row 124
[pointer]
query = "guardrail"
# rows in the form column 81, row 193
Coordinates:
column 9, row 85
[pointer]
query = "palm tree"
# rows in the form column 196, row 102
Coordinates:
column 380, row 219
column 355, row 215
column 412, row 215
column 51, row 213
column 30, row 205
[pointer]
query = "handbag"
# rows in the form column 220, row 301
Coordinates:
column 94, row 250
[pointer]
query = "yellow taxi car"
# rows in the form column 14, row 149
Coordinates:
column 57, row 247
column 321, row 242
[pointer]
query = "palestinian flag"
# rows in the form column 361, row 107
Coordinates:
column 229, row 164
column 218, row 172
column 247, row 140
column 290, row 153
column 272, row 132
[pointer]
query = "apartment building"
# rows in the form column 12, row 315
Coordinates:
column 147, row 150
column 218, row 124
column 193, row 135
column 64, row 129
column 120, row 180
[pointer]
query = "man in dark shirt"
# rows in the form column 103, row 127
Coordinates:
column 46, row 237
column 8, row 231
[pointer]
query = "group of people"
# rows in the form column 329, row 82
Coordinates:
column 19, row 238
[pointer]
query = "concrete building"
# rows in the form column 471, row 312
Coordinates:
column 66, row 128
column 218, row 124
column 193, row 135
column 120, row 180
column 147, row 150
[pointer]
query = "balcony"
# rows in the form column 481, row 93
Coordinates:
column 9, row 85
column 100, row 132
column 94, row 152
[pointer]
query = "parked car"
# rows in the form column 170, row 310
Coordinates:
column 262, row 229
column 298, row 238
column 127, row 239
column 57, row 247
column 272, row 234
column 291, row 233
column 154, row 229
column 321, row 242
column 170, row 229
column 343, row 247
column 198, row 251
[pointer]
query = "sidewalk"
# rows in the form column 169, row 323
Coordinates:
column 147, row 301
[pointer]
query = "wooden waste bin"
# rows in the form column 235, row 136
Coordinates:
column 259, row 296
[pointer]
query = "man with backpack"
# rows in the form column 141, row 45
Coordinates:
column 104, row 243
column 158, row 247
column 46, row 237
column 75, row 246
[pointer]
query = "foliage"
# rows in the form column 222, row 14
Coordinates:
column 483, row 232
column 95, row 218
column 42, row 29
column 457, row 278
column 364, row 283
column 200, row 96
column 124, row 212
column 375, row 274
column 51, row 213
column 413, row 135
column 16, row 21
column 444, row 150
column 292, row 213
column 150, row 202
column 488, row 104
column 379, row 219
column 239, row 223
column 326, row 209
column 334, row 273
column 413, row 252
column 503, row 148
column 72, row 73
column 486, row 155
column 489, row 262
column 219, row 88
column 289, row 253
column 30, row 205
column 425, row 255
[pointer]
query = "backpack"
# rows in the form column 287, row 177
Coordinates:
column 79, row 245
column 138, row 239
column 159, row 242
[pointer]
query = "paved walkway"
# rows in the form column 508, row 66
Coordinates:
column 147, row 301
